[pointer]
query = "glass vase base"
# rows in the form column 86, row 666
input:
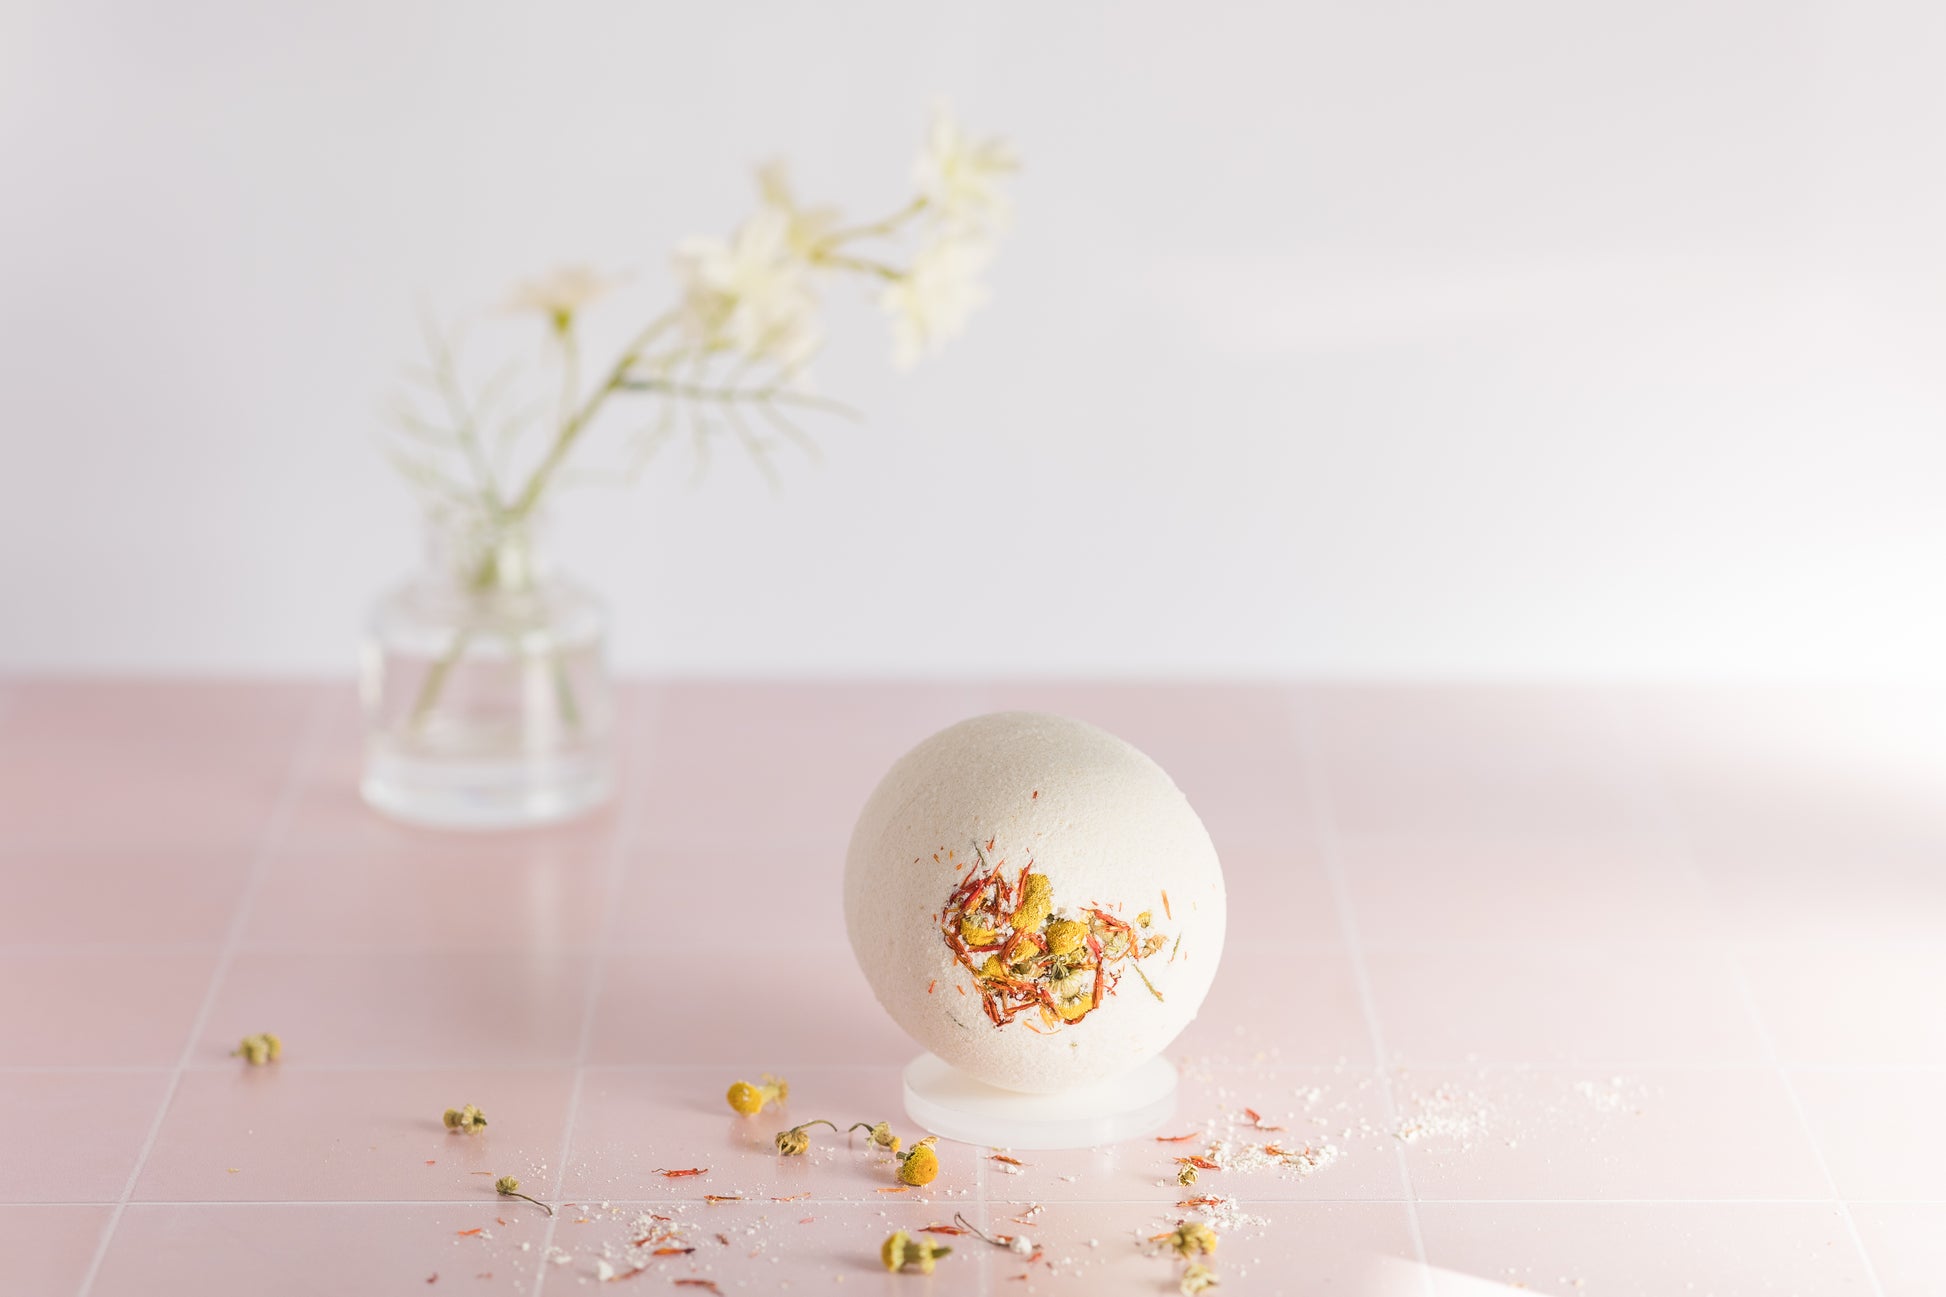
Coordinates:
column 445, row 793
column 944, row 1100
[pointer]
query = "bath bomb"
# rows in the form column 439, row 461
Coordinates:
column 1033, row 900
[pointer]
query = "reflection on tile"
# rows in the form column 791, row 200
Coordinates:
column 74, row 1136
column 132, row 897
column 1572, row 1133
column 93, row 1009
column 1906, row 1243
column 1849, row 1004
column 682, row 1006
column 1643, row 1249
column 1639, row 1004
column 1878, row 1130
column 47, row 1249
column 287, row 1133
column 410, row 1008
column 375, row 1250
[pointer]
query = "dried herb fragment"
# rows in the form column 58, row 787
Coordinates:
column 1025, row 955
column 901, row 1251
column 468, row 1119
column 1018, row 1244
column 792, row 1142
column 1197, row 1278
column 722, row 1197
column 1200, row 1163
column 508, row 1187
column 264, row 1047
column 677, row 1175
column 1186, row 1175
column 880, row 1134
column 749, row 1100
column 1257, row 1121
column 1192, row 1238
column 1177, row 1139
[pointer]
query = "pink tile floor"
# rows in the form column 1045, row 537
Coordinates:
column 1622, row 991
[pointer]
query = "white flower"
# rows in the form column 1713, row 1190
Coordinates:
column 930, row 302
column 751, row 294
column 1021, row 1244
column 560, row 293
column 960, row 177
column 808, row 226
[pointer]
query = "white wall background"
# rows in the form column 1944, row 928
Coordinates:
column 1354, row 338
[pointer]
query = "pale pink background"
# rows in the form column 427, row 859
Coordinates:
column 1682, row 949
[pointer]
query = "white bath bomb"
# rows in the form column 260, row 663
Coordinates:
column 1033, row 900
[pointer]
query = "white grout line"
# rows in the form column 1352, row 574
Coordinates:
column 961, row 1204
column 630, row 761
column 1318, row 803
column 308, row 745
column 1469, row 1064
column 1670, row 827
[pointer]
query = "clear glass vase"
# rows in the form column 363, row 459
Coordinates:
column 485, row 685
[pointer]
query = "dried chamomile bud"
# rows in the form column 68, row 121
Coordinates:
column 1145, row 918
column 1196, row 1278
column 468, row 1119
column 1036, row 903
column 1065, row 936
column 749, row 1099
column 508, row 1187
column 1187, row 1175
column 974, row 934
column 1192, row 1238
column 881, row 1135
column 903, row 1252
column 264, row 1047
column 794, row 1141
column 920, row 1165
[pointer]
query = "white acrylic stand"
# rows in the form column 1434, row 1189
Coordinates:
column 951, row 1104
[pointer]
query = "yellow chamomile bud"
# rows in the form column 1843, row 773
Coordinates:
column 1036, row 903
column 1196, row 1278
column 903, row 1252
column 1065, row 936
column 468, row 1119
column 920, row 1165
column 1192, row 1238
column 264, row 1047
column 973, row 934
column 749, row 1100
column 794, row 1141
column 1145, row 918
column 1187, row 1175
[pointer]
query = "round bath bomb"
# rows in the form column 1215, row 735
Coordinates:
column 1033, row 900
